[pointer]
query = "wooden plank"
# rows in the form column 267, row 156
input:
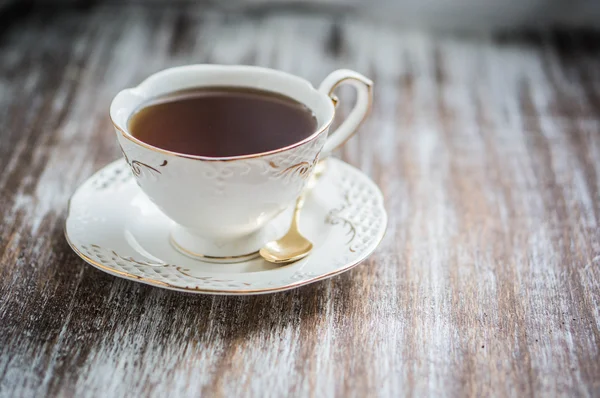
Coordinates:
column 487, row 151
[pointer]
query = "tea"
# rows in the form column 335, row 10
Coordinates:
column 222, row 121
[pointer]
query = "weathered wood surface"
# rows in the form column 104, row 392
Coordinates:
column 487, row 282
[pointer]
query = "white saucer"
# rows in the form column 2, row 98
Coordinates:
column 113, row 226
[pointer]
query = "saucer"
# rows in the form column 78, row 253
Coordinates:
column 113, row 226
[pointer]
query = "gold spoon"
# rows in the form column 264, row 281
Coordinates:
column 292, row 246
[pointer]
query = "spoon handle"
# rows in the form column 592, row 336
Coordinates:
column 299, row 205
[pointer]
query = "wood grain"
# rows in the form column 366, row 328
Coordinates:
column 487, row 282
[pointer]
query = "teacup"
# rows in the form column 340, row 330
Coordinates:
column 221, row 205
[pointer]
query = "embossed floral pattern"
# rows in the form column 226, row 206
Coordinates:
column 359, row 214
column 111, row 178
column 335, row 217
column 166, row 273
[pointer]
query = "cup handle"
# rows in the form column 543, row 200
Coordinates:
column 364, row 90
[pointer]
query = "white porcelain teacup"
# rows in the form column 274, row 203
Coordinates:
column 220, row 206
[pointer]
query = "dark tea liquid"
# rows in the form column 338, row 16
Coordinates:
column 219, row 122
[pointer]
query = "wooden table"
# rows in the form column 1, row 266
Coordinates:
column 487, row 282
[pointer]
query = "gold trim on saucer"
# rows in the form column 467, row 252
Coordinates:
column 157, row 283
column 111, row 270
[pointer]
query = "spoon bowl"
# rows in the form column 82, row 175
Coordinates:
column 292, row 246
